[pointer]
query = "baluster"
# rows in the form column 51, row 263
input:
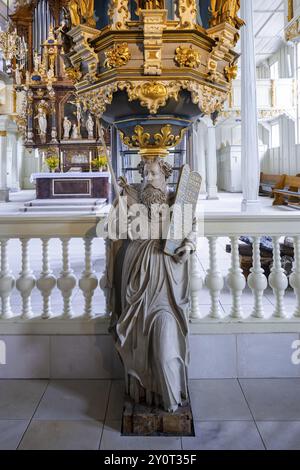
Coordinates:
column 88, row 281
column 257, row 281
column 196, row 285
column 47, row 281
column 278, row 280
column 26, row 282
column 214, row 279
column 67, row 281
column 236, row 280
column 295, row 276
column 7, row 281
column 103, row 282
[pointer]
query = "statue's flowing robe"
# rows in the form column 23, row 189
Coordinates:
column 150, row 320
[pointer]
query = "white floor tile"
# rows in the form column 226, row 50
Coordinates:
column 19, row 398
column 74, row 400
column 11, row 432
column 280, row 435
column 62, row 435
column 273, row 399
column 224, row 435
column 218, row 400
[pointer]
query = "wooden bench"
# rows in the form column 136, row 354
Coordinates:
column 287, row 191
column 268, row 183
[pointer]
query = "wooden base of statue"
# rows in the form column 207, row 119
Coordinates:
column 145, row 420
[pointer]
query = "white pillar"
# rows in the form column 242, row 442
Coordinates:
column 197, row 157
column 250, row 153
column 211, row 160
column 4, row 193
column 15, row 183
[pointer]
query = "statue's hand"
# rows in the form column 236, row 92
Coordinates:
column 122, row 181
column 182, row 254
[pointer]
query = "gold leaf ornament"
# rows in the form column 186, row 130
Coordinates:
column 117, row 56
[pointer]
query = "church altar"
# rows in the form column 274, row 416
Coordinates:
column 72, row 185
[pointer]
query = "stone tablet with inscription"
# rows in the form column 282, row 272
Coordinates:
column 187, row 194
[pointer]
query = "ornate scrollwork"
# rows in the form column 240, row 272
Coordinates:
column 187, row 57
column 151, row 95
column 73, row 74
column 117, row 56
column 118, row 13
column 154, row 95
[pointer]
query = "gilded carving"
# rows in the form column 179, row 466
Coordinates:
column 154, row 95
column 117, row 56
column 226, row 11
column 187, row 12
column 231, row 72
column 73, row 74
column 187, row 57
column 82, row 12
column 213, row 74
column 290, row 10
column 150, row 4
column 118, row 12
column 153, row 145
column 209, row 100
column 21, row 111
column 292, row 31
column 151, row 95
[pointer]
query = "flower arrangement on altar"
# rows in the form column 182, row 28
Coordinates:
column 52, row 162
column 100, row 163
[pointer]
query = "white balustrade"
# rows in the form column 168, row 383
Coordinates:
column 195, row 287
column 7, row 281
column 26, row 282
column 88, row 282
column 47, row 281
column 236, row 280
column 278, row 280
column 214, row 279
column 67, row 281
column 218, row 229
column 257, row 281
column 295, row 276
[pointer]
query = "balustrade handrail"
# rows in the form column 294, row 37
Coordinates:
column 82, row 226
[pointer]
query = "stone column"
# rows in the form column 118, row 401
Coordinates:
column 198, row 152
column 250, row 153
column 15, row 180
column 211, row 160
column 4, row 192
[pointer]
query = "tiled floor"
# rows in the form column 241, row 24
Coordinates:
column 252, row 414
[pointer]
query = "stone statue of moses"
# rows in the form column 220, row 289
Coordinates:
column 149, row 300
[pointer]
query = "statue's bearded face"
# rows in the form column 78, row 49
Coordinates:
column 154, row 190
column 154, row 176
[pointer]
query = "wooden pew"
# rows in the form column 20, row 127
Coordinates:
column 287, row 192
column 268, row 183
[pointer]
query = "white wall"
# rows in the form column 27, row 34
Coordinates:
column 286, row 158
column 285, row 58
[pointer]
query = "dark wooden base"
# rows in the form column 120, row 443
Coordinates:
column 144, row 420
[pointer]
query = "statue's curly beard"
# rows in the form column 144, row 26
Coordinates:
column 151, row 195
